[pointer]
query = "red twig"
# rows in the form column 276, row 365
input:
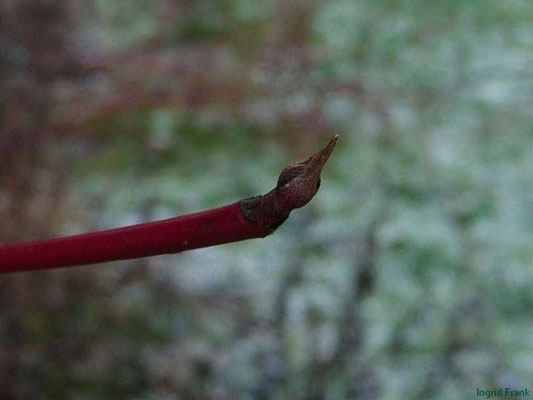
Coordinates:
column 250, row 218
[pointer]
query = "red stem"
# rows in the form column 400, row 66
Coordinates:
column 203, row 229
column 250, row 218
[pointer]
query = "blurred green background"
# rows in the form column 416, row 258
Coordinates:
column 409, row 275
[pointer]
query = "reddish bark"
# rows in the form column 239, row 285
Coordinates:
column 250, row 218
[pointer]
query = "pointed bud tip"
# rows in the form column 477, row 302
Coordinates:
column 331, row 144
column 317, row 160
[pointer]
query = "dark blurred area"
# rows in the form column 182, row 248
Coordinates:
column 409, row 276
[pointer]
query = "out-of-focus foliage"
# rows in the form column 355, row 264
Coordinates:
column 409, row 276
